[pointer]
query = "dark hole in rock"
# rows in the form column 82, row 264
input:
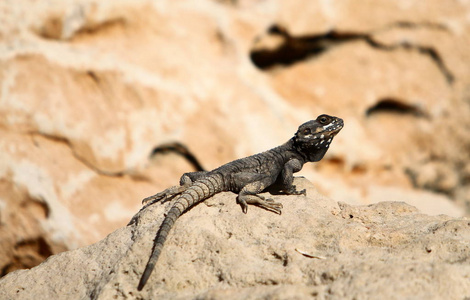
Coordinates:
column 389, row 105
column 180, row 149
column 278, row 47
column 289, row 49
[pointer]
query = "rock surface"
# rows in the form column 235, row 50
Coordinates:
column 89, row 88
column 387, row 250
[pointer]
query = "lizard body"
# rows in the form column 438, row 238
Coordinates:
column 248, row 177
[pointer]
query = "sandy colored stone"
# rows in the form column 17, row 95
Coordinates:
column 387, row 250
column 89, row 88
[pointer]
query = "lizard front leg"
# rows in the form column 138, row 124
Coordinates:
column 249, row 192
column 185, row 181
column 287, row 176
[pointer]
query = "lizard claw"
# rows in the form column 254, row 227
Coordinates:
column 274, row 204
column 152, row 199
column 268, row 204
column 243, row 204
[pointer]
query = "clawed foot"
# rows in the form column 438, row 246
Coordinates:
column 293, row 191
column 147, row 202
column 271, row 205
column 154, row 199
column 164, row 196
column 268, row 204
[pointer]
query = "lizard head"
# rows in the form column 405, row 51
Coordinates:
column 314, row 137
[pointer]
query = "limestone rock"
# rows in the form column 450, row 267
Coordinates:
column 88, row 89
column 387, row 250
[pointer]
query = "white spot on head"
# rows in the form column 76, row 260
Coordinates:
column 322, row 141
column 328, row 126
column 322, row 136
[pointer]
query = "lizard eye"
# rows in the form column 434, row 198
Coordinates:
column 323, row 119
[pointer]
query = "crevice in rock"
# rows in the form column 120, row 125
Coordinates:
column 392, row 105
column 89, row 165
column 335, row 161
column 428, row 51
column 39, row 245
column 93, row 76
column 38, row 207
column 283, row 258
column 267, row 282
column 95, row 28
column 419, row 25
column 6, row 269
column 278, row 47
column 228, row 2
column 27, row 254
column 74, row 24
column 294, row 49
column 179, row 149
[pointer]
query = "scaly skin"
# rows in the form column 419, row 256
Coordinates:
column 248, row 177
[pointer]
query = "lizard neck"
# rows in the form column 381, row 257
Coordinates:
column 292, row 152
column 307, row 152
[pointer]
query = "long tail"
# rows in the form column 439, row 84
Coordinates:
column 200, row 190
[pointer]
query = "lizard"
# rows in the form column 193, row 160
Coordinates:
column 248, row 177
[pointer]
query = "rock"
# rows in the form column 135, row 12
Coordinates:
column 88, row 89
column 386, row 250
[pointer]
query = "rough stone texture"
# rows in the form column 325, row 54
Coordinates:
column 387, row 250
column 88, row 88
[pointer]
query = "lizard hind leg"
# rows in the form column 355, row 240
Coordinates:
column 186, row 180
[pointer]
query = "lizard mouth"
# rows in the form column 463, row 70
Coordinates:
column 334, row 131
column 323, row 139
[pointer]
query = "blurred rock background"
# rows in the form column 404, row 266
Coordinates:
column 96, row 97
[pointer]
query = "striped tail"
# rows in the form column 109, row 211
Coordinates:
column 200, row 190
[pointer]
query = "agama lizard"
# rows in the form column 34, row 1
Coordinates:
column 247, row 177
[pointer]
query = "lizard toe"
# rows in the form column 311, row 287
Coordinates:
column 243, row 204
column 270, row 204
column 152, row 199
